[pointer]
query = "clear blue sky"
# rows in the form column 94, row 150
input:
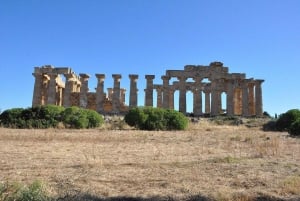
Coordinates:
column 258, row 37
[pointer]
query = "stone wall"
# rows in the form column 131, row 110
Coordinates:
column 243, row 95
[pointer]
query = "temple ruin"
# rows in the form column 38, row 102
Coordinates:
column 243, row 95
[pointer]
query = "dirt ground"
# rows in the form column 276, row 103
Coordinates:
column 215, row 161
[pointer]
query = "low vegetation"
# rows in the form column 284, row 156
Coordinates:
column 148, row 118
column 50, row 116
column 18, row 192
column 288, row 121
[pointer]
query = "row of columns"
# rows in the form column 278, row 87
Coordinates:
column 48, row 90
column 246, row 99
column 61, row 95
column 117, row 93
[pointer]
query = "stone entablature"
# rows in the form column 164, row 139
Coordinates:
column 243, row 96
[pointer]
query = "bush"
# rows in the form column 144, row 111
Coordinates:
column 148, row 118
column 16, row 192
column 270, row 126
column 50, row 116
column 75, row 117
column 295, row 128
column 285, row 120
column 47, row 116
column 11, row 117
column 175, row 120
column 35, row 117
column 135, row 117
column 94, row 118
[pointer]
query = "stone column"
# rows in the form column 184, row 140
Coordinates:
column 182, row 94
column 171, row 99
column 122, row 95
column 37, row 91
column 214, row 99
column 69, row 88
column 165, row 91
column 83, row 99
column 159, row 96
column 238, row 101
column 245, row 99
column 219, row 101
column 52, row 89
column 197, row 96
column 45, row 84
column 110, row 93
column 78, row 86
column 149, row 90
column 229, row 101
column 207, row 101
column 116, row 93
column 251, row 98
column 100, row 93
column 258, row 98
column 133, row 99
column 59, row 96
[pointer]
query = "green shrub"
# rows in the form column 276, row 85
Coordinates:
column 270, row 126
column 16, row 192
column 75, row 117
column 42, row 116
column 285, row 120
column 295, row 128
column 50, row 116
column 135, row 117
column 148, row 118
column 175, row 120
column 11, row 117
column 94, row 118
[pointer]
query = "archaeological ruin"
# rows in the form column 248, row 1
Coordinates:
column 243, row 96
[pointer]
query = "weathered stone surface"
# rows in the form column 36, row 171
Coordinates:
column 116, row 93
column 149, row 90
column 243, row 96
column 100, row 95
column 133, row 99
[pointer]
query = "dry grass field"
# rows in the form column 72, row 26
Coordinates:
column 207, row 161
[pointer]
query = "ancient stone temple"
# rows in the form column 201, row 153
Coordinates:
column 243, row 95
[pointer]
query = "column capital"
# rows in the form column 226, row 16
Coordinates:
column 52, row 75
column 116, row 76
column 258, row 82
column 245, row 82
column 164, row 77
column 158, row 87
column 149, row 77
column 197, row 79
column 133, row 76
column 35, row 74
column 251, row 84
column 206, row 91
column 84, row 76
column 70, row 77
column 182, row 78
column 100, row 76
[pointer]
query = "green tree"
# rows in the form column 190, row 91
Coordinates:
column 285, row 120
column 295, row 128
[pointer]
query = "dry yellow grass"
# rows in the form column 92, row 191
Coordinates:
column 223, row 162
